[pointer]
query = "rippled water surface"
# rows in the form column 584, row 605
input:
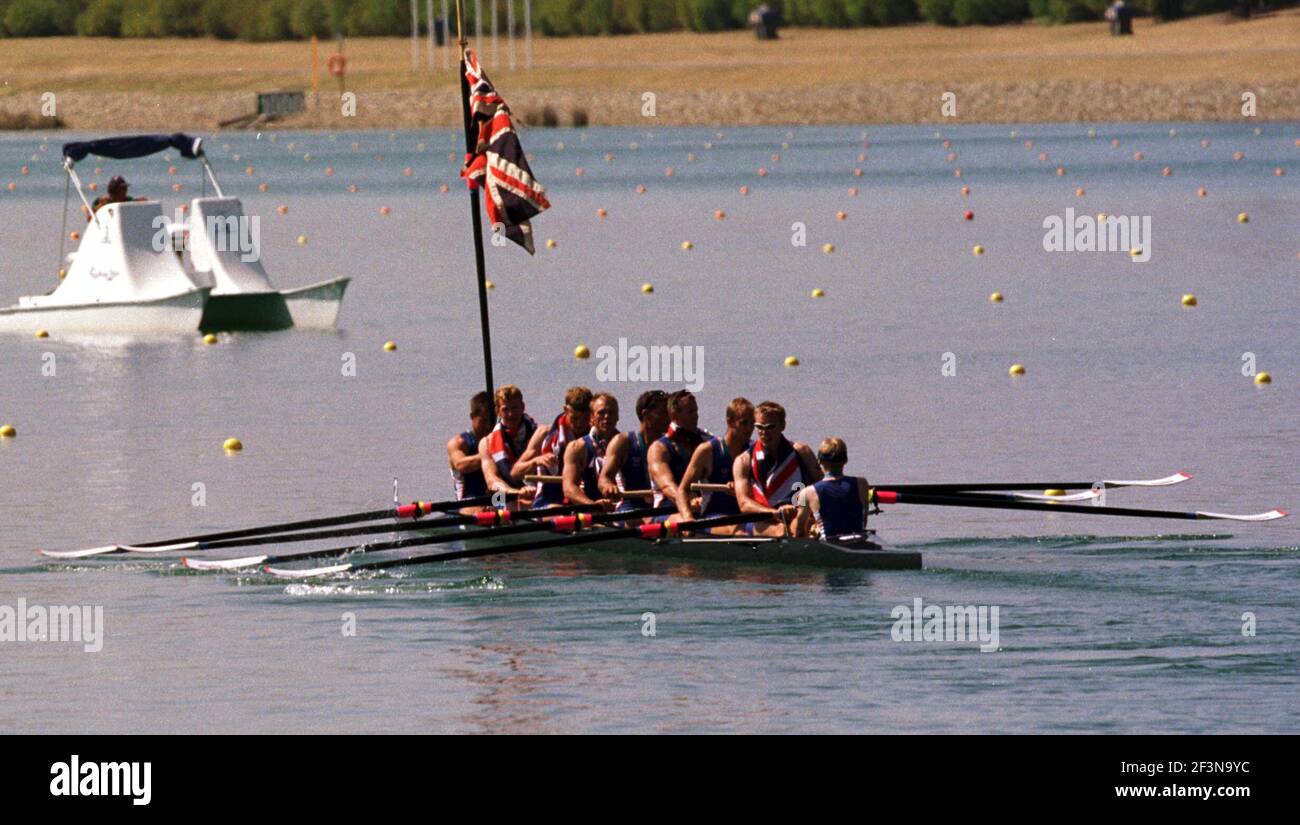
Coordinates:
column 1106, row 624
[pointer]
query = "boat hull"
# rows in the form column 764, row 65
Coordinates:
column 249, row 311
column 316, row 306
column 173, row 314
column 856, row 553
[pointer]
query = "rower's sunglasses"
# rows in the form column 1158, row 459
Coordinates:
column 764, row 427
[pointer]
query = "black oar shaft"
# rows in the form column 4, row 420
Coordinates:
column 446, row 538
column 402, row 511
column 894, row 496
column 577, row 539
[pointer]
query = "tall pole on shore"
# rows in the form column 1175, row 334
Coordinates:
column 446, row 34
column 415, row 35
column 528, row 34
column 471, row 141
column 428, row 12
column 510, row 31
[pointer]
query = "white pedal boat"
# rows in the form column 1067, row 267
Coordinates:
column 136, row 272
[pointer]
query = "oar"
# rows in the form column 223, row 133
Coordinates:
column 414, row 510
column 650, row 532
column 560, row 524
column 980, row 486
column 1084, row 496
column 545, row 479
column 1003, row 503
column 489, row 518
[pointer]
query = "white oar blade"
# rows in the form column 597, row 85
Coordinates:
column 162, row 548
column 80, row 554
column 1176, row 478
column 1269, row 516
column 222, row 564
column 286, row 573
column 1086, row 495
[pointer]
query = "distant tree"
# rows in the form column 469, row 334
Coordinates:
column 988, row 12
column 311, row 18
column 102, row 18
column 39, row 18
column 938, row 11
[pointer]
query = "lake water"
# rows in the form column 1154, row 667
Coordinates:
column 1106, row 624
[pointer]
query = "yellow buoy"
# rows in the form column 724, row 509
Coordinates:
column 1054, row 491
column 818, row 293
column 791, row 361
column 63, row 273
column 647, row 288
column 232, row 445
column 550, row 243
column 978, row 250
column 302, row 240
column 490, row 285
column 828, row 248
column 210, row 338
column 1017, row 369
column 581, row 352
column 1189, row 300
column 687, row 245
column 40, row 333
column 1243, row 218
column 390, row 346
column 8, row 431
column 1135, row 252
column 1263, row 378
column 996, row 298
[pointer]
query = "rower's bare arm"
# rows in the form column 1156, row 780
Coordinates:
column 575, row 461
column 491, row 477
column 697, row 470
column 656, row 460
column 532, row 457
column 745, row 487
column 615, row 454
column 811, row 467
column 459, row 459
column 809, row 505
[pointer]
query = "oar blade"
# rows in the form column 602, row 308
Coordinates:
column 1271, row 515
column 1086, row 495
column 1167, row 481
column 306, row 573
column 80, row 554
column 161, row 548
column 222, row 564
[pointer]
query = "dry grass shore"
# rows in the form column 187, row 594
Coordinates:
column 1191, row 70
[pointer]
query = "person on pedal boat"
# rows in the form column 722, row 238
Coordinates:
column 836, row 505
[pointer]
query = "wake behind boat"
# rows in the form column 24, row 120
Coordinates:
column 131, row 272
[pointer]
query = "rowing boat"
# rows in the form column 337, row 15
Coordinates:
column 860, row 552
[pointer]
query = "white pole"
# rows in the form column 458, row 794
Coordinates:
column 415, row 35
column 428, row 12
column 446, row 37
column 478, row 30
column 510, row 31
column 496, row 45
column 528, row 34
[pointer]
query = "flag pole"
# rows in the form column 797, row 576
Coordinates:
column 471, row 140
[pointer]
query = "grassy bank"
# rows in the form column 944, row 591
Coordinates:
column 1190, row 70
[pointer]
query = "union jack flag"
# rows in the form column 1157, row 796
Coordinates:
column 498, row 164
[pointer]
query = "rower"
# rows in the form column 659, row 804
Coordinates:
column 838, row 502
column 768, row 474
column 500, row 452
column 584, row 458
column 625, row 467
column 546, row 448
column 713, row 463
column 462, row 452
column 670, row 454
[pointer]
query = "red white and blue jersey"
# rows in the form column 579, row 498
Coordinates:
column 471, row 484
column 557, row 438
column 595, row 448
column 774, row 476
column 506, row 447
